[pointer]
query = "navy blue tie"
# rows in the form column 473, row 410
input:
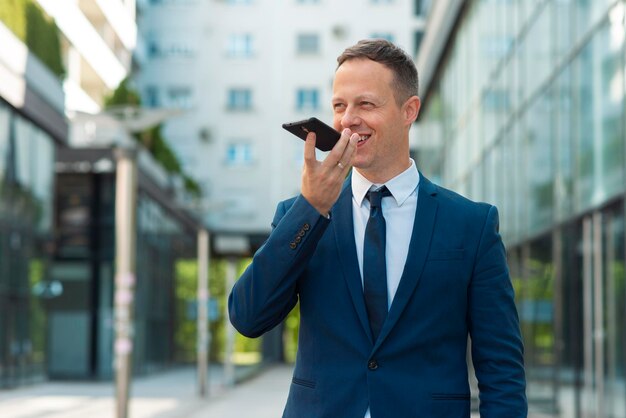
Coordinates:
column 374, row 265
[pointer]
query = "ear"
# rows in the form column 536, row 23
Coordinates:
column 411, row 109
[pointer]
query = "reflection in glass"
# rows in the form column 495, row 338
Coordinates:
column 599, row 115
column 538, row 327
column 539, row 147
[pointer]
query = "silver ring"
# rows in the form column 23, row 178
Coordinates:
column 340, row 165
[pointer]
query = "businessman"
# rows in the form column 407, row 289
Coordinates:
column 392, row 272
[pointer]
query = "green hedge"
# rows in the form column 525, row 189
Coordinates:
column 38, row 31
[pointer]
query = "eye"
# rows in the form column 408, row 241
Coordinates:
column 366, row 104
column 337, row 107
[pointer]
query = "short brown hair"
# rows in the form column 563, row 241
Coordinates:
column 405, row 79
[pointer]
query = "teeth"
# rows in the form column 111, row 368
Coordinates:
column 363, row 138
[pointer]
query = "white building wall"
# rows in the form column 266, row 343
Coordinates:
column 98, row 40
column 243, row 197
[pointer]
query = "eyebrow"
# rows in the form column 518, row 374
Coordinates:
column 367, row 96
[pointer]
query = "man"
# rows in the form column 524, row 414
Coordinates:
column 443, row 276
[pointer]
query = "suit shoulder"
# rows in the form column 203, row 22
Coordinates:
column 288, row 202
column 281, row 209
column 460, row 202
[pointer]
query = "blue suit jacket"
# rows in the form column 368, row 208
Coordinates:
column 455, row 283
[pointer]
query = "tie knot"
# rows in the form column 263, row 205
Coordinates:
column 375, row 196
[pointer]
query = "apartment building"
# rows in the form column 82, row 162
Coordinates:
column 241, row 68
column 99, row 38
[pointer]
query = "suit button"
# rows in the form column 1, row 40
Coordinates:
column 301, row 233
column 293, row 245
column 306, row 227
column 372, row 365
column 298, row 239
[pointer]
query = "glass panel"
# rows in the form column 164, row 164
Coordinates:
column 308, row 43
column 239, row 99
column 614, row 283
column 540, row 174
column 24, row 152
column 240, row 45
column 537, row 321
column 537, row 47
column 564, row 182
column 564, row 34
column 25, row 226
column 489, row 180
column 520, row 181
column 43, row 179
column 599, row 114
column 587, row 13
column 571, row 342
column 307, row 99
column 530, row 8
column 508, row 197
column 4, row 139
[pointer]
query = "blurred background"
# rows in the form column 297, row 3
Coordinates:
column 523, row 107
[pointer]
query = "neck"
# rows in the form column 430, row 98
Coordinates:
column 381, row 177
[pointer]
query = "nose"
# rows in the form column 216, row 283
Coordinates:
column 350, row 119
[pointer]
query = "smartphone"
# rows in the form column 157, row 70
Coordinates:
column 325, row 136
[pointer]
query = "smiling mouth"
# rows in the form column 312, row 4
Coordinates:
column 363, row 138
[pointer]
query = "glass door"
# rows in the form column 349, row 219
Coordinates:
column 604, row 313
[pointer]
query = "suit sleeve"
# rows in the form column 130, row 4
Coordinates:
column 497, row 348
column 267, row 291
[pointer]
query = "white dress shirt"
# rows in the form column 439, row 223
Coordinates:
column 399, row 212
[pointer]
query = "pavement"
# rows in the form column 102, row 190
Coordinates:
column 170, row 394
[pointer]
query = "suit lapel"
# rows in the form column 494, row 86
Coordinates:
column 343, row 223
column 418, row 250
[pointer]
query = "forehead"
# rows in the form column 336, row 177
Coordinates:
column 359, row 76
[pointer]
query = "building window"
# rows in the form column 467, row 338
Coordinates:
column 160, row 48
column 179, row 49
column 308, row 43
column 171, row 2
column 153, row 48
column 422, row 7
column 383, row 35
column 496, row 100
column 239, row 99
column 496, row 46
column 152, row 96
column 240, row 45
column 180, row 96
column 307, row 99
column 239, row 154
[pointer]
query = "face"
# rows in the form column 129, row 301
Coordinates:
column 364, row 102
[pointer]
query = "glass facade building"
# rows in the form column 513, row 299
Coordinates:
column 81, row 319
column 527, row 106
column 27, row 155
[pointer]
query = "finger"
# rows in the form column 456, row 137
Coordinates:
column 348, row 155
column 335, row 154
column 309, row 148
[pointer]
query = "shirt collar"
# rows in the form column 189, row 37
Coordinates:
column 401, row 186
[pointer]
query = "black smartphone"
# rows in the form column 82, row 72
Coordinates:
column 325, row 136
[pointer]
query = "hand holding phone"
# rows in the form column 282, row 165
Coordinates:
column 325, row 136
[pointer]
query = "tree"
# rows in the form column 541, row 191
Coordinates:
column 152, row 138
column 36, row 29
